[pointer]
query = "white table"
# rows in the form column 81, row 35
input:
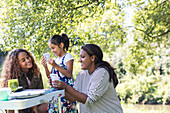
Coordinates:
column 18, row 104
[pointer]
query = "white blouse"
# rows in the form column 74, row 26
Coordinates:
column 102, row 97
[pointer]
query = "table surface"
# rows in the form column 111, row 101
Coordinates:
column 18, row 104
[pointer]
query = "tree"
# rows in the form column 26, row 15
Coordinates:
column 151, row 35
column 30, row 23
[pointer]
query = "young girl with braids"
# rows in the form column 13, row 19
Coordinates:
column 63, row 67
column 19, row 64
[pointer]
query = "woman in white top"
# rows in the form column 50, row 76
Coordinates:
column 95, row 85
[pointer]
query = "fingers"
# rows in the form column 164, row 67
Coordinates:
column 50, row 82
column 35, row 109
column 49, row 77
column 43, row 61
column 51, row 62
column 43, row 58
column 54, row 83
column 57, row 84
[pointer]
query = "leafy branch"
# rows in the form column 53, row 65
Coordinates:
column 84, row 5
column 162, row 34
column 164, row 2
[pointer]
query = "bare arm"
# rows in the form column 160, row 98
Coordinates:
column 69, row 97
column 47, row 71
column 67, row 72
column 80, row 97
column 43, row 62
column 71, row 93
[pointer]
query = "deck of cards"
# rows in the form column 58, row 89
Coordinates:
column 47, row 56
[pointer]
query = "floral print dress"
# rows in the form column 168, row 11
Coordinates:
column 66, row 106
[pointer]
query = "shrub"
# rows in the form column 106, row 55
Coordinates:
column 143, row 89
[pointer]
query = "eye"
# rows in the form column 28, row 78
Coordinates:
column 23, row 60
column 82, row 56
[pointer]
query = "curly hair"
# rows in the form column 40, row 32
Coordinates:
column 11, row 68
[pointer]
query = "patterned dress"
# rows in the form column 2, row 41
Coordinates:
column 66, row 106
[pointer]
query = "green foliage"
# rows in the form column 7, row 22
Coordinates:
column 150, row 34
column 142, row 64
column 29, row 24
column 154, row 18
column 144, row 89
column 135, row 108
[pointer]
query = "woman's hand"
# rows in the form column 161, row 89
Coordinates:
column 43, row 61
column 35, row 109
column 59, row 84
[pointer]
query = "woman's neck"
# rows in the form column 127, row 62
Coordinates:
column 25, row 70
column 91, row 69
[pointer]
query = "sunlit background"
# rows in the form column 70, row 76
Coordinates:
column 133, row 34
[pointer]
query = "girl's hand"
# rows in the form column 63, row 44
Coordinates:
column 43, row 61
column 50, row 81
column 52, row 62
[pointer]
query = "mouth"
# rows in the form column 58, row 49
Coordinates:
column 54, row 53
column 82, row 65
column 29, row 64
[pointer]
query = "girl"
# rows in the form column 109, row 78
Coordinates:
column 19, row 64
column 63, row 66
column 95, row 85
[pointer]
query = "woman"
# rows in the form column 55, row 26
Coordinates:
column 19, row 64
column 95, row 85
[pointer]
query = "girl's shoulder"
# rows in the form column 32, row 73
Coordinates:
column 68, row 55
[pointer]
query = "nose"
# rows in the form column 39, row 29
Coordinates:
column 28, row 60
column 52, row 50
column 79, row 60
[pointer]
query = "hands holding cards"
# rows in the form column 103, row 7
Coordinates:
column 45, row 59
column 46, row 56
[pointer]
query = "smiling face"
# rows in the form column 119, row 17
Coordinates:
column 25, row 61
column 55, row 49
column 87, row 62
